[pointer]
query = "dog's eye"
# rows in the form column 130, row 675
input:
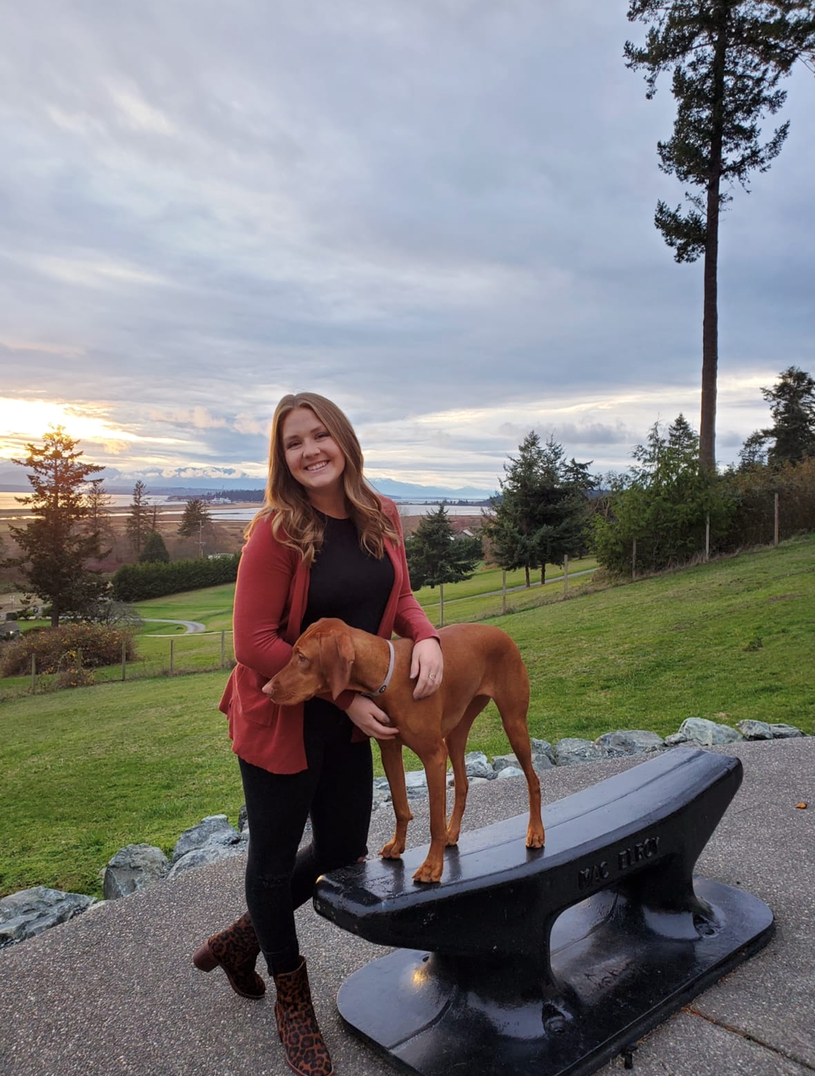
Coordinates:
column 302, row 659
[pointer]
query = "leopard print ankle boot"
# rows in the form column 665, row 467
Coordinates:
column 235, row 950
column 306, row 1052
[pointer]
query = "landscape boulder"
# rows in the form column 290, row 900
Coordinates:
column 543, row 757
column 785, row 732
column 572, row 751
column 755, row 730
column 509, row 771
column 708, row 733
column 478, row 765
column 214, row 830
column 209, row 841
column 630, row 742
column 31, row 911
column 132, row 868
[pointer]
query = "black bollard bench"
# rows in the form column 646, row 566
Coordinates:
column 552, row 961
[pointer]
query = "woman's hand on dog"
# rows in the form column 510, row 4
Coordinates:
column 426, row 667
column 369, row 719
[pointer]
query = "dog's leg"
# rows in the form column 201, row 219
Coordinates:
column 513, row 716
column 435, row 767
column 456, row 747
column 391, row 751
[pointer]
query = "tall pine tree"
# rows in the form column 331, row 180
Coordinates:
column 55, row 546
column 727, row 58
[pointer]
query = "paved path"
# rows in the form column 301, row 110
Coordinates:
column 190, row 625
column 113, row 992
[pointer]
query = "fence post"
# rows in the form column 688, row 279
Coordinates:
column 124, row 659
column 441, row 605
column 223, row 649
column 565, row 575
column 775, row 524
column 634, row 560
column 504, row 591
column 707, row 538
column 172, row 655
column 33, row 673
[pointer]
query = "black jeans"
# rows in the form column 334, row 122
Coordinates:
column 335, row 791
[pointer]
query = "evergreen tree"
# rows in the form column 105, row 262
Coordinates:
column 98, row 520
column 541, row 514
column 55, row 545
column 791, row 437
column 195, row 520
column 727, row 57
column 155, row 550
column 663, row 509
column 436, row 555
column 139, row 523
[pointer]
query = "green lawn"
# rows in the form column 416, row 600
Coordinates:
column 86, row 771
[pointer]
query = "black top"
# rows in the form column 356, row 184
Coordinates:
column 348, row 583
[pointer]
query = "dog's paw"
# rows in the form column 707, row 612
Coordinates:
column 392, row 850
column 428, row 872
column 535, row 837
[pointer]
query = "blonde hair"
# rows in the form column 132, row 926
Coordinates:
column 294, row 520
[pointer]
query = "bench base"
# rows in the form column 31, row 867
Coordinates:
column 617, row 977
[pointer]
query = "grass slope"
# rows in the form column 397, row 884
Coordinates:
column 90, row 770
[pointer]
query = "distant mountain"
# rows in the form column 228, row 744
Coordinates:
column 194, row 480
column 405, row 491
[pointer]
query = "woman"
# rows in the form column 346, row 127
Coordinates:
column 324, row 544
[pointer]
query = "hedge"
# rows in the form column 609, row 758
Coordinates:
column 67, row 647
column 138, row 582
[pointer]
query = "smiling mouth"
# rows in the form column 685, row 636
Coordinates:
column 317, row 466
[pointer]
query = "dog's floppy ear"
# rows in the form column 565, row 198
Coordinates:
column 337, row 657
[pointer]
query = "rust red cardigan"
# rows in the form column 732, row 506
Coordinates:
column 270, row 602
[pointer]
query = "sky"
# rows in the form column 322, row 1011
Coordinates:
column 437, row 213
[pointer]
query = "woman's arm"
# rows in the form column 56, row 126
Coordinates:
column 265, row 576
column 427, row 661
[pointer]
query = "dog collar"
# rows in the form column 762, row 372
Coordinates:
column 388, row 675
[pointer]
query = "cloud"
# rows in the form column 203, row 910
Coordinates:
column 438, row 213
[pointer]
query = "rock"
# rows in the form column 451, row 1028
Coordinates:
column 212, row 830
column 500, row 762
column 541, row 754
column 202, row 857
column 630, row 742
column 243, row 820
column 572, row 751
column 477, row 765
column 785, row 732
column 132, row 868
column 708, row 733
column 31, row 911
column 382, row 792
column 755, row 730
column 509, row 771
column 676, row 738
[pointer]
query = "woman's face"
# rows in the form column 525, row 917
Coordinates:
column 312, row 455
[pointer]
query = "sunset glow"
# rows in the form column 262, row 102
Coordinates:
column 24, row 421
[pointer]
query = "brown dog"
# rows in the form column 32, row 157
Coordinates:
column 480, row 663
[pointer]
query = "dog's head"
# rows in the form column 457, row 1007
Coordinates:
column 320, row 663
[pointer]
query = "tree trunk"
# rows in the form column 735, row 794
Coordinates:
column 528, row 580
column 710, row 321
